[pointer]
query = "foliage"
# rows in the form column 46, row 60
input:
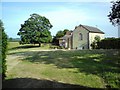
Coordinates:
column 114, row 15
column 4, row 49
column 59, row 35
column 109, row 43
column 65, row 31
column 35, row 30
column 94, row 44
column 55, row 40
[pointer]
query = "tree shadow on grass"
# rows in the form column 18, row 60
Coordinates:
column 90, row 62
column 36, row 83
column 103, row 63
column 24, row 47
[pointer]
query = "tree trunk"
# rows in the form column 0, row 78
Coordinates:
column 39, row 44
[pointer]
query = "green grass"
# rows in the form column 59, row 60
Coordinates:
column 16, row 45
column 12, row 45
column 90, row 68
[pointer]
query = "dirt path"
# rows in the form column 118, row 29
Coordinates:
column 12, row 61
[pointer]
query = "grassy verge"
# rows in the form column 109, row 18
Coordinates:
column 90, row 68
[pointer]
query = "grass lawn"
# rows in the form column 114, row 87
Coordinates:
column 85, row 68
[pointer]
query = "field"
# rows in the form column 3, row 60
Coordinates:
column 30, row 66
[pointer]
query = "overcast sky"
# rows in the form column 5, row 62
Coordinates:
column 62, row 15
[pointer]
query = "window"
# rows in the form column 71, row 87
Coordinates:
column 81, row 36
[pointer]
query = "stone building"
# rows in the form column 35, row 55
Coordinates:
column 81, row 37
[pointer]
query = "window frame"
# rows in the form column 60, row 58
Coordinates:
column 80, row 36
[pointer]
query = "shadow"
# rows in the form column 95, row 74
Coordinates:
column 90, row 62
column 36, row 83
column 103, row 63
column 24, row 47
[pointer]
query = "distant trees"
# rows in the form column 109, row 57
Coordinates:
column 35, row 30
column 114, row 15
column 59, row 34
column 4, row 48
column 13, row 39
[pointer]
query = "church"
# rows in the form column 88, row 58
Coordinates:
column 81, row 37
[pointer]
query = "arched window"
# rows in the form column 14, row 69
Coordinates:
column 80, row 36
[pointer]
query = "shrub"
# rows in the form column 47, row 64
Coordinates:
column 94, row 44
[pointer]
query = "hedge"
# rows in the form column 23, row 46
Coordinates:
column 4, row 49
column 109, row 43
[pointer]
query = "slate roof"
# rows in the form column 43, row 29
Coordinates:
column 89, row 28
column 69, row 32
column 65, row 37
column 92, row 29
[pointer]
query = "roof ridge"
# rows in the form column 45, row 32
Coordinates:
column 89, row 26
column 92, row 29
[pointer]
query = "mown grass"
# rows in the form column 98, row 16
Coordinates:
column 16, row 45
column 90, row 68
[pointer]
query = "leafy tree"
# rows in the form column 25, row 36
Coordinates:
column 4, row 48
column 59, row 35
column 114, row 15
column 95, row 42
column 65, row 31
column 35, row 30
column 55, row 40
column 97, row 38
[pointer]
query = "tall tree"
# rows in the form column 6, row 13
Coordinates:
column 3, row 43
column 35, row 30
column 114, row 15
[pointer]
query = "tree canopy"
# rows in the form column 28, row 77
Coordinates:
column 59, row 34
column 35, row 30
column 114, row 15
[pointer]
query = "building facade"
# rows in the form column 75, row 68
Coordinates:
column 81, row 37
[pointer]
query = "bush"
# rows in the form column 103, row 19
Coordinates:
column 94, row 44
column 109, row 43
column 4, row 48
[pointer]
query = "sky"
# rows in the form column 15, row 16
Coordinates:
column 62, row 15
